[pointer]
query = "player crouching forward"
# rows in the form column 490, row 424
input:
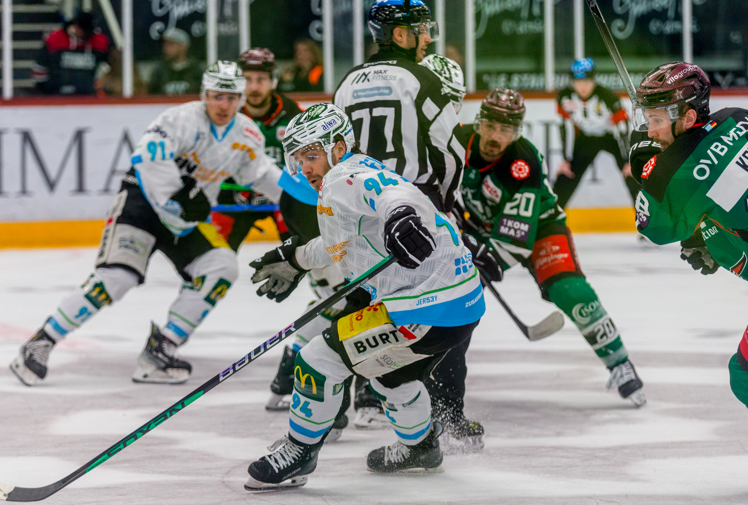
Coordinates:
column 513, row 209
column 163, row 203
column 421, row 307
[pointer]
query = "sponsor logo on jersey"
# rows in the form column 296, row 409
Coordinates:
column 520, row 170
column 582, row 312
column 372, row 92
column 337, row 251
column 280, row 132
column 514, row 228
column 648, row 167
column 244, row 147
column 642, row 211
column 321, row 209
column 491, row 190
column 253, row 134
column 738, row 267
column 157, row 130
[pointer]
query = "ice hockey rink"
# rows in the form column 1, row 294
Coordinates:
column 553, row 433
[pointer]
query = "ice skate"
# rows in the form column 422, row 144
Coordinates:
column 158, row 363
column 629, row 384
column 462, row 436
column 337, row 429
column 282, row 384
column 369, row 412
column 287, row 466
column 30, row 366
column 398, row 457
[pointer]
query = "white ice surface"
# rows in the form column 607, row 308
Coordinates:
column 553, row 434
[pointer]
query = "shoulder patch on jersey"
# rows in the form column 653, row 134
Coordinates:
column 648, row 167
column 253, row 134
column 280, row 132
column 491, row 190
column 520, row 170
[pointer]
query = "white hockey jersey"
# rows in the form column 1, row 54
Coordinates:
column 183, row 141
column 356, row 197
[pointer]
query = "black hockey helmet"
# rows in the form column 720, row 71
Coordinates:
column 385, row 15
column 258, row 58
column 671, row 87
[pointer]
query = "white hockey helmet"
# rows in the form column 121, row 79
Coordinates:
column 223, row 77
column 323, row 124
column 450, row 73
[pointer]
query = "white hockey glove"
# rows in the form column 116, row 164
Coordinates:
column 281, row 270
column 694, row 252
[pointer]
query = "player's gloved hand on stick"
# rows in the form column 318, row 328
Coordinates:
column 694, row 251
column 281, row 270
column 642, row 150
column 484, row 258
column 406, row 238
column 195, row 205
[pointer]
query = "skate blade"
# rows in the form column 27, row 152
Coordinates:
column 277, row 403
column 147, row 373
column 637, row 398
column 410, row 471
column 26, row 376
column 255, row 486
column 334, row 435
column 366, row 420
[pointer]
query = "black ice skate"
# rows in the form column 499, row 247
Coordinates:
column 158, row 363
column 30, row 366
column 287, row 465
column 629, row 384
column 337, row 428
column 369, row 412
column 282, row 384
column 398, row 457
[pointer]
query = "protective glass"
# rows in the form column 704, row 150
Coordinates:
column 658, row 117
column 496, row 130
column 293, row 167
column 429, row 27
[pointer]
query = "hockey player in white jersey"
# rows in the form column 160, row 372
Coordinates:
column 420, row 308
column 164, row 201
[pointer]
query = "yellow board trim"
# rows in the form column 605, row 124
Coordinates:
column 88, row 233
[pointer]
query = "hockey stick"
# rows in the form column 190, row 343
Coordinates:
column 26, row 494
column 271, row 207
column 612, row 49
column 545, row 328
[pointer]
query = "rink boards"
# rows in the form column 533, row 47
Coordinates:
column 61, row 165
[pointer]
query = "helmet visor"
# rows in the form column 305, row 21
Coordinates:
column 295, row 158
column 496, row 130
column 655, row 117
column 431, row 28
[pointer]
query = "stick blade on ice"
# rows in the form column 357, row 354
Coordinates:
column 12, row 493
column 547, row 327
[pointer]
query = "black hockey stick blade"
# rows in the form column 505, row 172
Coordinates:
column 26, row 494
column 545, row 328
column 612, row 49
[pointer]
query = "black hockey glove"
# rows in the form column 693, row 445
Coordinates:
column 406, row 238
column 642, row 150
column 195, row 205
column 281, row 270
column 694, row 251
column 485, row 259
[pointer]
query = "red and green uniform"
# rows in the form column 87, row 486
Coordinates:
column 512, row 203
column 700, row 185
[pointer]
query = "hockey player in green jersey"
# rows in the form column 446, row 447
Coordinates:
column 693, row 167
column 513, row 210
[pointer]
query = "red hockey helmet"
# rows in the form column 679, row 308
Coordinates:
column 258, row 58
column 503, row 105
column 671, row 87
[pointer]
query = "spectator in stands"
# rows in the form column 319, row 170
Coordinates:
column 179, row 74
column 67, row 62
column 306, row 72
column 110, row 83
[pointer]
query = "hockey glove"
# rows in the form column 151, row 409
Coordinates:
column 194, row 203
column 484, row 258
column 642, row 150
column 694, row 251
column 406, row 238
column 281, row 270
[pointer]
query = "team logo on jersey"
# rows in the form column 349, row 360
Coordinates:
column 583, row 312
column 648, row 167
column 642, row 211
column 251, row 133
column 280, row 132
column 514, row 228
column 491, row 190
column 520, row 170
column 738, row 267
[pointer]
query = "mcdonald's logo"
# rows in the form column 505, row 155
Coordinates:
column 302, row 379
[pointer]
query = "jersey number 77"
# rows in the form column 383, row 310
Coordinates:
column 378, row 128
